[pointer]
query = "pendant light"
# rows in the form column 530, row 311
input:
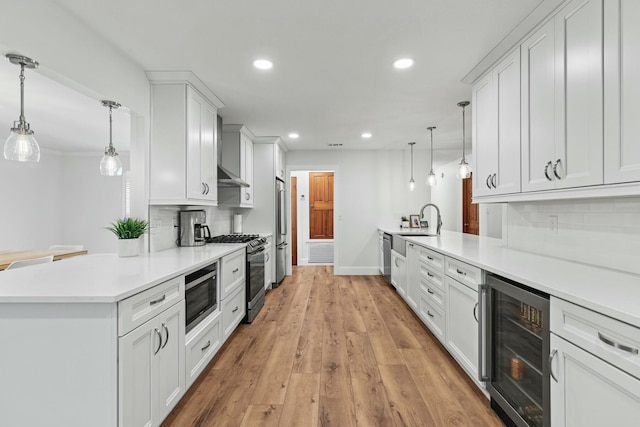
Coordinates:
column 110, row 164
column 464, row 171
column 431, row 179
column 412, row 183
column 21, row 145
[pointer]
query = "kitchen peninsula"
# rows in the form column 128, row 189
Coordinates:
column 68, row 329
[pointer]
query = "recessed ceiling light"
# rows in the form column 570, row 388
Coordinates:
column 294, row 135
column 366, row 135
column 403, row 63
column 263, row 64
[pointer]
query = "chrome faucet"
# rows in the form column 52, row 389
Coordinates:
column 439, row 220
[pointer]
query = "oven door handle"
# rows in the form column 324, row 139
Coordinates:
column 484, row 333
column 199, row 280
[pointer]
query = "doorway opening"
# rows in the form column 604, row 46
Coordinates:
column 470, row 212
column 312, row 217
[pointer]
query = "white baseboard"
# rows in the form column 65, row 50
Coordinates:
column 356, row 271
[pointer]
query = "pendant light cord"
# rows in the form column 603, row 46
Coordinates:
column 411, row 161
column 463, row 133
column 110, row 129
column 22, row 119
column 431, row 132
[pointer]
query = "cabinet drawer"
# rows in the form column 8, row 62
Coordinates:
column 433, row 259
column 201, row 345
column 434, row 294
column 232, row 272
column 464, row 273
column 433, row 317
column 435, row 277
column 233, row 310
column 612, row 340
column 139, row 308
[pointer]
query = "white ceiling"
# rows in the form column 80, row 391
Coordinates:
column 332, row 77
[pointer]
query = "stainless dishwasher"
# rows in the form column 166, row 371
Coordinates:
column 386, row 253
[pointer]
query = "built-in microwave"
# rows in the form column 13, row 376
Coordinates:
column 201, row 295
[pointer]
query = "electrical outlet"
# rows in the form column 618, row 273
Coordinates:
column 553, row 224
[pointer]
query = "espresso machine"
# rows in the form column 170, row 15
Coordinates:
column 192, row 231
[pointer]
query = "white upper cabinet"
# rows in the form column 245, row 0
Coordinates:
column 621, row 91
column 496, row 129
column 183, row 147
column 562, row 104
column 236, row 155
column 280, row 163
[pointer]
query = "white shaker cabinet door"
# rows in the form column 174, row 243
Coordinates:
column 588, row 392
column 621, row 91
column 538, row 106
column 579, row 116
column 462, row 326
column 485, row 143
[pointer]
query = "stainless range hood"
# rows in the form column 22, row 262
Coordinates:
column 228, row 179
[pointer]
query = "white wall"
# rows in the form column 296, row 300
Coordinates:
column 90, row 202
column 604, row 232
column 30, row 217
column 447, row 195
column 371, row 190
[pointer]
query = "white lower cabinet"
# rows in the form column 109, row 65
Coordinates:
column 267, row 263
column 432, row 317
column 151, row 369
column 201, row 344
column 462, row 325
column 399, row 273
column 233, row 310
column 412, row 276
column 589, row 392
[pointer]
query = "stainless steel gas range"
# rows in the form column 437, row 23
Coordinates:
column 255, row 269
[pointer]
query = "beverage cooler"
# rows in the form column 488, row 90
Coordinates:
column 514, row 355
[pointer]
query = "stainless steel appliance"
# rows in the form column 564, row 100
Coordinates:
column 514, row 351
column 193, row 232
column 201, row 295
column 281, row 232
column 255, row 279
column 386, row 253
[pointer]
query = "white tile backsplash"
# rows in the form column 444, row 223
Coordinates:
column 164, row 224
column 604, row 232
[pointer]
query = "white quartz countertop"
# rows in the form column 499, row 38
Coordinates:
column 104, row 278
column 610, row 292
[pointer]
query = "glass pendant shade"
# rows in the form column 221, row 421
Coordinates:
column 464, row 170
column 412, row 185
column 21, row 146
column 110, row 165
column 431, row 179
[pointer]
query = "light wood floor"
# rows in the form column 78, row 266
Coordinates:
column 333, row 351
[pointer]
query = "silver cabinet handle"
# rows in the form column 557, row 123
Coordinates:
column 235, row 271
column 488, row 182
column 493, row 180
column 159, row 340
column 410, row 245
column 166, row 339
column 206, row 346
column 247, row 196
column 430, row 258
column 464, row 273
column 429, row 313
column 204, row 188
column 551, row 356
column 430, row 291
column 475, row 312
column 397, row 263
column 555, row 169
column 266, row 258
column 235, row 309
column 159, row 300
column 546, row 171
column 429, row 274
column 617, row 345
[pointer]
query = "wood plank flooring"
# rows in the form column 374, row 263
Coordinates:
column 330, row 351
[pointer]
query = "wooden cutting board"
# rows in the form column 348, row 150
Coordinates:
column 7, row 257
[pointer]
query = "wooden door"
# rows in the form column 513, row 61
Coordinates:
column 294, row 220
column 470, row 215
column 321, row 205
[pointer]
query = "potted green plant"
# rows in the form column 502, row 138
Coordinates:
column 128, row 231
column 405, row 222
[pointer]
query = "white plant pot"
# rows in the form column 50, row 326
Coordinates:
column 405, row 224
column 128, row 247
